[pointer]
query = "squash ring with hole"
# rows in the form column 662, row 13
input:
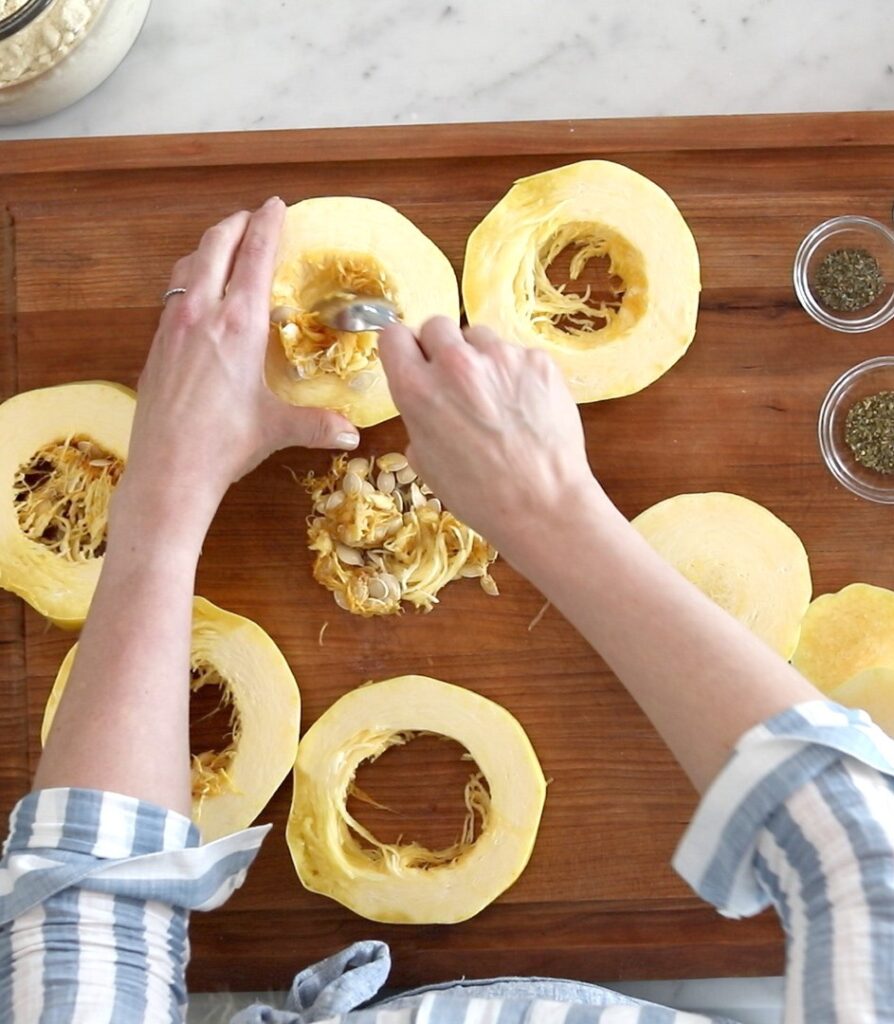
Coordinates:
column 604, row 209
column 404, row 883
column 350, row 245
column 742, row 556
column 231, row 787
column 63, row 450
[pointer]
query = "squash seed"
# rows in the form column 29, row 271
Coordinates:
column 283, row 314
column 335, row 500
column 351, row 484
column 489, row 586
column 348, row 555
column 392, row 462
column 367, row 489
column 386, row 482
column 406, row 475
column 434, row 504
column 362, row 381
column 393, row 585
column 417, row 498
column 377, row 589
column 393, row 525
column 358, row 466
column 341, row 600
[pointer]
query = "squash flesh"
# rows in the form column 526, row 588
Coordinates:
column 51, row 542
column 872, row 691
column 347, row 244
column 845, row 634
column 403, row 883
column 231, row 786
column 609, row 210
column 740, row 555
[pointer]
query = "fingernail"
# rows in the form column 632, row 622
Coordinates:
column 272, row 200
column 347, row 440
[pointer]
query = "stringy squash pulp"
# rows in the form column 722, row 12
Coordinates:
column 609, row 344
column 63, row 450
column 231, row 785
column 381, row 537
column 741, row 555
column 403, row 883
column 348, row 245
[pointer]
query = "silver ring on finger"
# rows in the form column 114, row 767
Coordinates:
column 170, row 292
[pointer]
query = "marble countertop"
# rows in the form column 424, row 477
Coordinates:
column 212, row 65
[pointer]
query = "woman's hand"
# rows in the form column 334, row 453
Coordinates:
column 493, row 429
column 205, row 416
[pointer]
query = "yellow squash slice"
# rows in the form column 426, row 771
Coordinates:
column 739, row 554
column 406, row 883
column 846, row 633
column 871, row 690
column 608, row 344
column 62, row 451
column 230, row 787
column 348, row 245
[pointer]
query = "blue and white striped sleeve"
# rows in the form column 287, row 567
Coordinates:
column 95, row 894
column 802, row 817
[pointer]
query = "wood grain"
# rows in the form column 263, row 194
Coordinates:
column 97, row 225
column 14, row 775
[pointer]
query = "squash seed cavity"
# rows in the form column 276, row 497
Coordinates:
column 61, row 497
column 599, row 274
column 210, row 765
column 382, row 538
column 313, row 349
column 410, row 853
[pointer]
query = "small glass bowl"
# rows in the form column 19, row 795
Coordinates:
column 860, row 381
column 846, row 233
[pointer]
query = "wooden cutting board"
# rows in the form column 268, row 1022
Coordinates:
column 90, row 231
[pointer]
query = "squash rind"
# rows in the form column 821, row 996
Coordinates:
column 846, row 633
column 327, row 857
column 424, row 279
column 741, row 555
column 269, row 703
column 626, row 356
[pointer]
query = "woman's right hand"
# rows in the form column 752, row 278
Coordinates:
column 493, row 428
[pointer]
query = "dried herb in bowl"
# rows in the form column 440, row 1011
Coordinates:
column 869, row 431
column 848, row 280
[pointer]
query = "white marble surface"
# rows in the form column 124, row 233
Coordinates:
column 207, row 65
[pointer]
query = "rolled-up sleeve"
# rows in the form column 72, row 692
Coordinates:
column 802, row 818
column 95, row 894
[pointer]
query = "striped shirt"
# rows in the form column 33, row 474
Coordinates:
column 96, row 890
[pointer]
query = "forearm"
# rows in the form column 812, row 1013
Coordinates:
column 701, row 677
column 123, row 721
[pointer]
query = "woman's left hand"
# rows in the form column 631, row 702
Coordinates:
column 205, row 416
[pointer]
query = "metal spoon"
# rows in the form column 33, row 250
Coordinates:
column 356, row 313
